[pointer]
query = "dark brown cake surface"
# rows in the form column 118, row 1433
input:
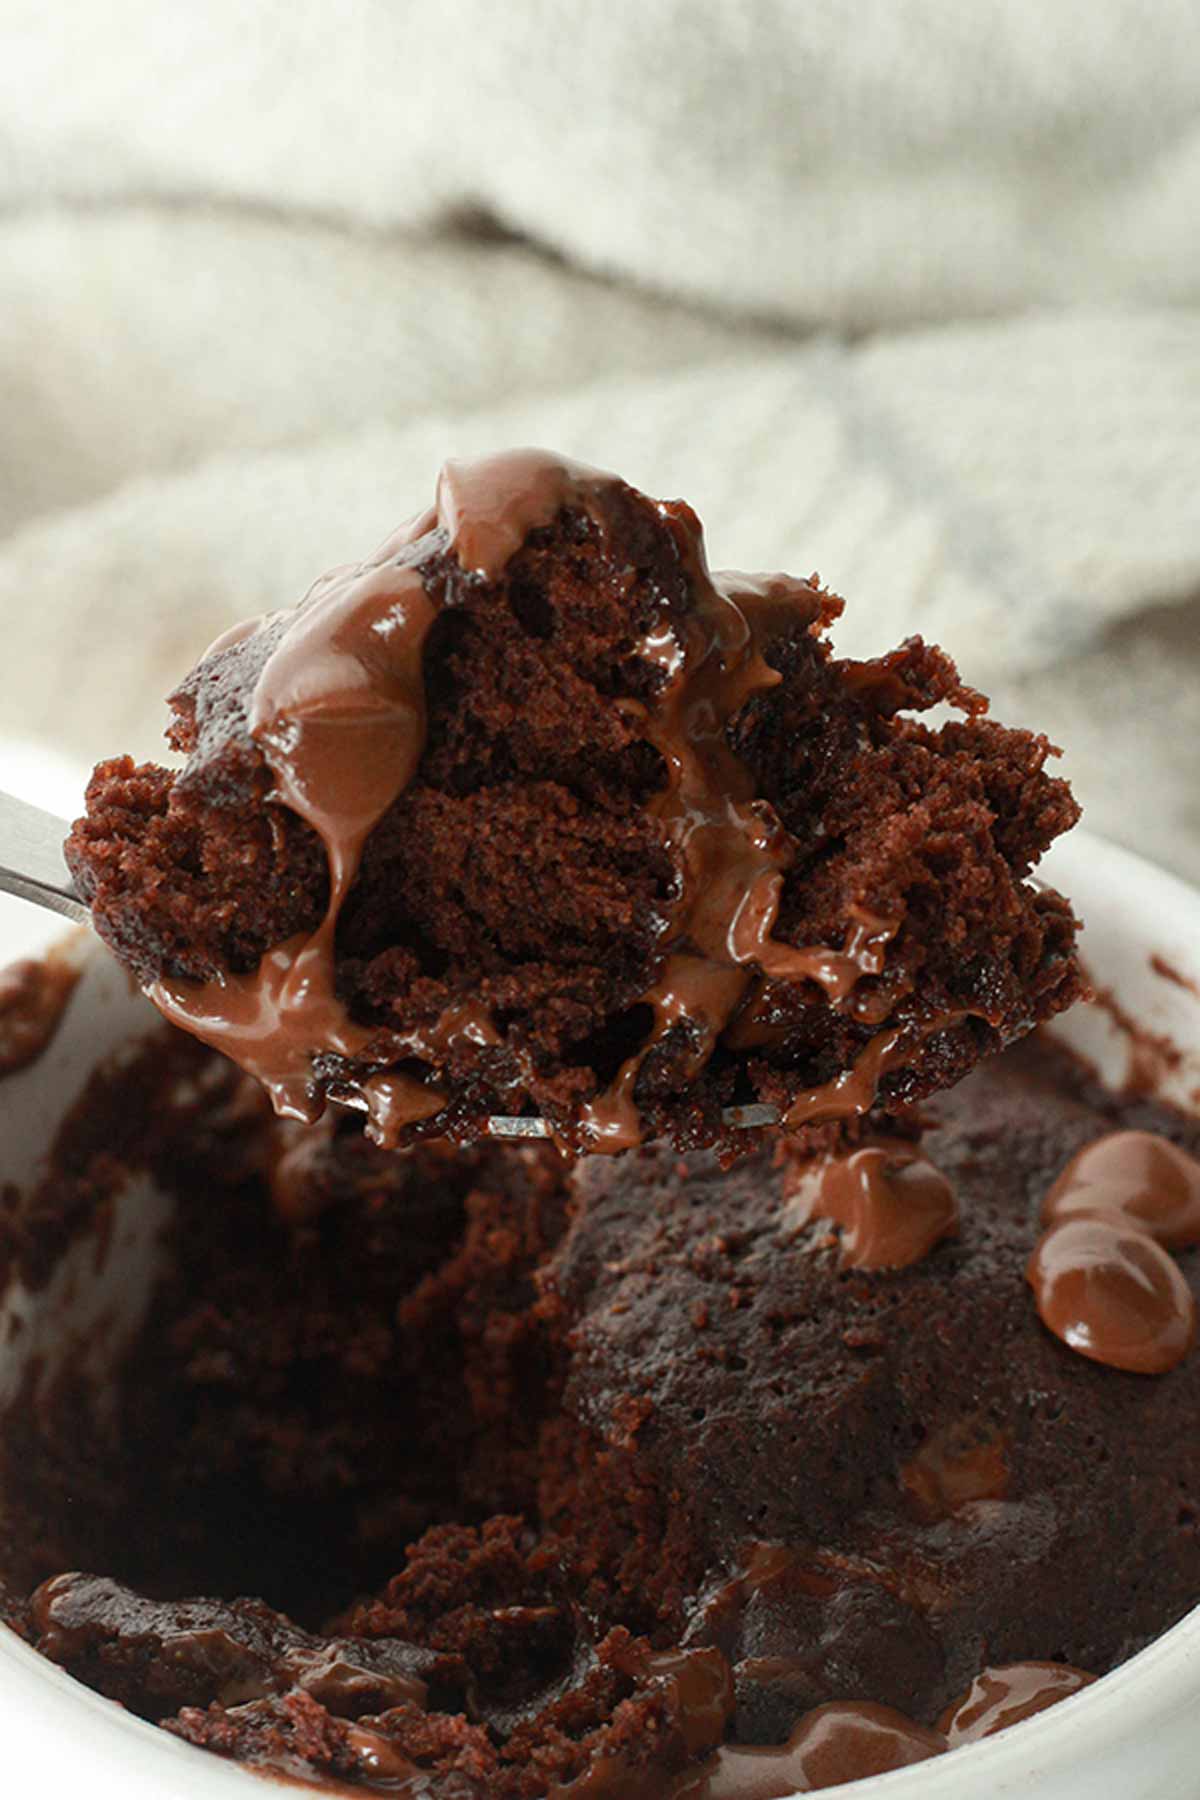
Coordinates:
column 532, row 813
column 501, row 1477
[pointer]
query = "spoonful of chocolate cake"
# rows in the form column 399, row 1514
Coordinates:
column 532, row 823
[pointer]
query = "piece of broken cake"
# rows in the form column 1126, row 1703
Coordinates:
column 532, row 815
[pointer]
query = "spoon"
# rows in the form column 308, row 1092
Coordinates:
column 32, row 865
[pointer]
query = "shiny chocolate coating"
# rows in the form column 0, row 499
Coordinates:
column 998, row 1698
column 1113, row 1294
column 891, row 1204
column 1138, row 1176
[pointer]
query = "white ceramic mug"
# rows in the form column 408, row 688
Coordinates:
column 1135, row 1735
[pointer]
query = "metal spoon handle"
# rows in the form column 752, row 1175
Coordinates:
column 31, row 859
column 741, row 1118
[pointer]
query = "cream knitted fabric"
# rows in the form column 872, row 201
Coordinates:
column 827, row 163
column 241, row 325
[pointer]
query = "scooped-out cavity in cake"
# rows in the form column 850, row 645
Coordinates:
column 471, row 1474
column 533, row 814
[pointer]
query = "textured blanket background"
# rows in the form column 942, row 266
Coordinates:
column 904, row 292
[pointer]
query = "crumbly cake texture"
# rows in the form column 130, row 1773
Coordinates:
column 529, row 873
column 466, row 1448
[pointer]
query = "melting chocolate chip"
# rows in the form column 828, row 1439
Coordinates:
column 1101, row 1275
column 891, row 1204
column 1113, row 1294
column 1136, row 1176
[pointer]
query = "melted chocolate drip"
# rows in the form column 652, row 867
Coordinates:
column 701, row 1685
column 839, row 972
column 339, row 714
column 383, row 1765
column 854, row 1092
column 847, row 1741
column 489, row 506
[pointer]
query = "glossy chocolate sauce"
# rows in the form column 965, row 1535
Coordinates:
column 1138, row 1176
column 339, row 716
column 1002, row 1697
column 848, row 1740
column 842, row 1741
column 839, row 972
column 890, row 1203
column 839, row 1742
column 854, row 1092
column 383, row 1764
column 1101, row 1274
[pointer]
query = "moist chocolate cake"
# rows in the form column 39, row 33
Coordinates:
column 473, row 1475
column 533, row 815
